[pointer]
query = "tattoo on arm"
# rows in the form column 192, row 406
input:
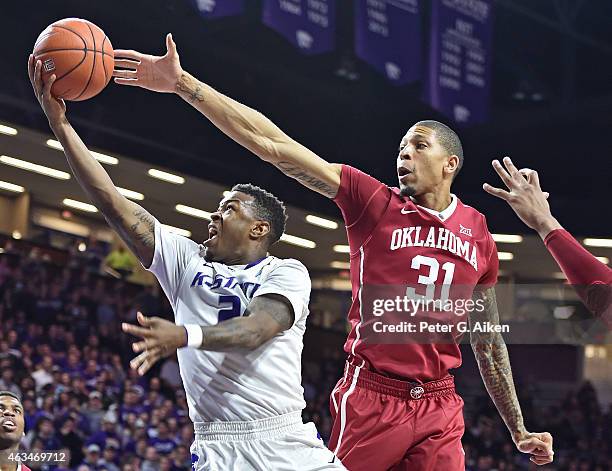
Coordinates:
column 494, row 363
column 192, row 87
column 230, row 335
column 314, row 183
column 138, row 235
column 266, row 316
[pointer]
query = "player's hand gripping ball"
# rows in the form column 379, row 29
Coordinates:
column 79, row 54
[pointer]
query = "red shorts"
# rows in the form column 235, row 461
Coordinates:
column 386, row 424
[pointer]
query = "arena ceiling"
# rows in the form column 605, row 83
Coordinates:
column 556, row 53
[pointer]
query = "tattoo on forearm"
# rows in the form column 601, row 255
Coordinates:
column 494, row 363
column 293, row 171
column 229, row 335
column 190, row 86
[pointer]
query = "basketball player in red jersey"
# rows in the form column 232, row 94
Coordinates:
column 396, row 407
column 591, row 278
column 12, row 424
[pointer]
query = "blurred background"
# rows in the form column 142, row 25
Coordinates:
column 532, row 80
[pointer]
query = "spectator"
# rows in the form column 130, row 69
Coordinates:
column 110, row 456
column 108, row 430
column 92, row 457
column 94, row 411
column 162, row 442
column 151, row 461
column 7, row 383
column 42, row 376
column 120, row 261
column 71, row 440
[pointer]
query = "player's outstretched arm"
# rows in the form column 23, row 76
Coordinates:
column 266, row 316
column 582, row 269
column 494, row 365
column 133, row 223
column 244, row 125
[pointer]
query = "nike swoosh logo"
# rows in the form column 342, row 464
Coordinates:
column 408, row 212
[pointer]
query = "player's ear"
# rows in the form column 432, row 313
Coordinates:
column 451, row 165
column 260, row 229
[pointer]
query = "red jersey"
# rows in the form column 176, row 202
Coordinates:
column 394, row 241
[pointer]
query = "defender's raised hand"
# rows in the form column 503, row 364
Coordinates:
column 156, row 73
column 54, row 108
column 525, row 196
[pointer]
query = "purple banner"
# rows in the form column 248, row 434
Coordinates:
column 459, row 66
column 310, row 25
column 388, row 37
column 219, row 8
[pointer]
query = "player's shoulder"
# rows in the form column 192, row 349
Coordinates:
column 469, row 213
column 289, row 263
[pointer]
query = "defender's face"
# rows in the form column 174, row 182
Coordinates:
column 12, row 422
column 229, row 228
column 420, row 162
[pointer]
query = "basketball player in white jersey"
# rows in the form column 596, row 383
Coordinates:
column 244, row 315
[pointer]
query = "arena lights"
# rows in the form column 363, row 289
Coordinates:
column 604, row 260
column 321, row 222
column 29, row 166
column 505, row 256
column 16, row 235
column 593, row 242
column 195, row 212
column 90, row 208
column 507, row 238
column 133, row 195
column 82, row 247
column 102, row 158
column 342, row 249
column 165, row 176
column 9, row 131
column 177, row 230
column 299, row 241
column 11, row 187
column 340, row 265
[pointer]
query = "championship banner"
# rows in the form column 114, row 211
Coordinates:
column 219, row 8
column 310, row 25
column 458, row 80
column 388, row 37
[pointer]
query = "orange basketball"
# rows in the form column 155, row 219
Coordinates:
column 79, row 54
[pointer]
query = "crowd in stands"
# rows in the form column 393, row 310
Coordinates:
column 62, row 352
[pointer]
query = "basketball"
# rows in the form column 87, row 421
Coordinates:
column 79, row 54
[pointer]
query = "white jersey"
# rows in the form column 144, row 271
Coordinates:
column 240, row 385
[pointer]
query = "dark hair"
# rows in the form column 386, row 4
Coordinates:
column 11, row 394
column 267, row 207
column 447, row 139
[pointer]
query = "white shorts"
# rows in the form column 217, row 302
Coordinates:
column 281, row 443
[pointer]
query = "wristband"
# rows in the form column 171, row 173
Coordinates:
column 194, row 335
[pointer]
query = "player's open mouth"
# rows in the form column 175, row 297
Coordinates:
column 9, row 425
column 403, row 172
column 213, row 233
